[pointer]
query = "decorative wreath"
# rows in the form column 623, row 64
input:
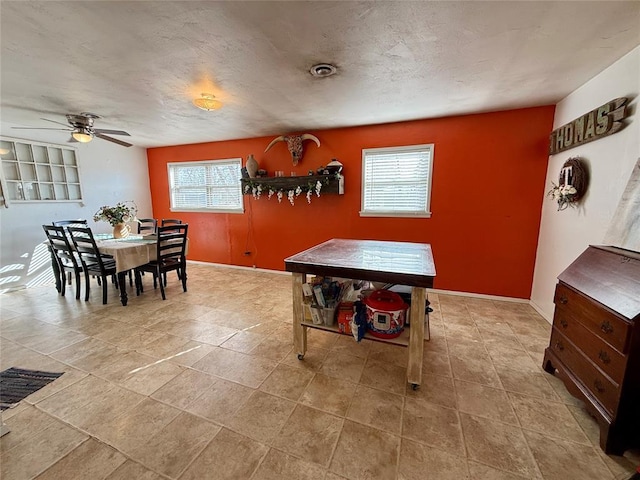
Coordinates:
column 572, row 183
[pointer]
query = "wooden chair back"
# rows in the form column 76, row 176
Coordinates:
column 171, row 221
column 147, row 225
column 171, row 246
column 92, row 261
column 71, row 223
column 64, row 256
column 61, row 246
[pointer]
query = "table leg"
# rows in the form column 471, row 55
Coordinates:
column 427, row 332
column 416, row 336
column 122, row 285
column 299, row 330
column 138, row 281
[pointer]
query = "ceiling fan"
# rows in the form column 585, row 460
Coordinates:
column 82, row 130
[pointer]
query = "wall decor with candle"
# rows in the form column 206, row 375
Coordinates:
column 572, row 183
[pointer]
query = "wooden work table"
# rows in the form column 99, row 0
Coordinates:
column 401, row 263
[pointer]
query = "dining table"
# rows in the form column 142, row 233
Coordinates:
column 128, row 253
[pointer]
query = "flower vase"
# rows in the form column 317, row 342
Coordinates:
column 121, row 230
column 252, row 166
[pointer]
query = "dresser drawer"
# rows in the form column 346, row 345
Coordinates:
column 594, row 317
column 608, row 359
column 600, row 386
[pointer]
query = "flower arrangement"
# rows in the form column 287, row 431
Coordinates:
column 572, row 184
column 123, row 212
column 563, row 194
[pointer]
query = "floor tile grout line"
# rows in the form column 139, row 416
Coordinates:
column 399, row 454
column 91, row 435
column 95, row 438
column 335, row 447
column 195, row 457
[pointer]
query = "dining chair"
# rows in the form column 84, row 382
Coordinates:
column 93, row 262
column 147, row 225
column 64, row 256
column 170, row 255
column 166, row 222
column 74, row 223
column 171, row 221
column 71, row 223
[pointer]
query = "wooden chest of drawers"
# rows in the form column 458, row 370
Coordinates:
column 595, row 341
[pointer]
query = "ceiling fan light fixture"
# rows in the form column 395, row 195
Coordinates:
column 82, row 135
column 207, row 102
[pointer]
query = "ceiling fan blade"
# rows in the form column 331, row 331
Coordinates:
column 114, row 140
column 53, row 121
column 43, row 128
column 111, row 132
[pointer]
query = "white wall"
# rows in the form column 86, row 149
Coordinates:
column 566, row 234
column 109, row 173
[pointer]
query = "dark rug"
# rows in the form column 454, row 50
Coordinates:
column 17, row 383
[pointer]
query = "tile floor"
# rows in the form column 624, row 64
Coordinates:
column 205, row 386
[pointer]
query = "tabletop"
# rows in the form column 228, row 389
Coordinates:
column 403, row 263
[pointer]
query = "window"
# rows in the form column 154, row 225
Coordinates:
column 39, row 172
column 212, row 186
column 396, row 181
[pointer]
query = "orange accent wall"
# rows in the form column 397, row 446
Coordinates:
column 487, row 190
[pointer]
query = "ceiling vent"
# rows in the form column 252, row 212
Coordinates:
column 323, row 70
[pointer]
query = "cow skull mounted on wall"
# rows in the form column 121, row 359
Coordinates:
column 294, row 144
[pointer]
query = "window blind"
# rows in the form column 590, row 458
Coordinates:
column 211, row 185
column 397, row 181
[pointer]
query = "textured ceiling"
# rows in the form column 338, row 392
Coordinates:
column 140, row 64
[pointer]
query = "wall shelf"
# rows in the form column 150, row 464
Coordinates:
column 333, row 184
column 33, row 171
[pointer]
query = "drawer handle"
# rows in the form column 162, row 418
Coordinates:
column 563, row 300
column 606, row 327
column 599, row 386
column 564, row 323
column 559, row 345
column 604, row 356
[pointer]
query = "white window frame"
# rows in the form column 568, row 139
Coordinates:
column 172, row 188
column 367, row 155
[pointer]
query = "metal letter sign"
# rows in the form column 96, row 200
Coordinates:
column 598, row 123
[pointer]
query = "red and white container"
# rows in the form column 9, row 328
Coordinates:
column 386, row 313
column 345, row 315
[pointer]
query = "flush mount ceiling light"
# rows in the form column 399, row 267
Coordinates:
column 208, row 102
column 323, row 70
column 82, row 135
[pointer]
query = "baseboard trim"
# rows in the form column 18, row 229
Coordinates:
column 238, row 267
column 540, row 311
column 478, row 295
column 429, row 290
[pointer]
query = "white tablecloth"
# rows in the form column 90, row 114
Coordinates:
column 128, row 252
